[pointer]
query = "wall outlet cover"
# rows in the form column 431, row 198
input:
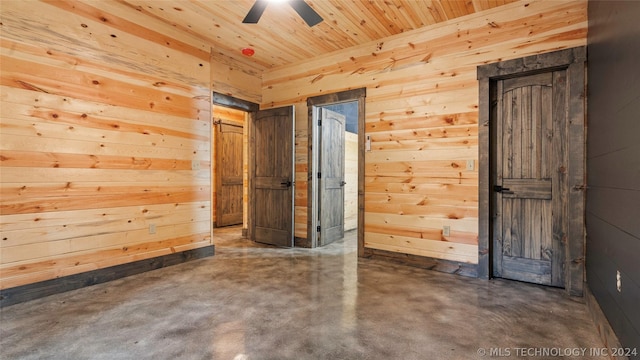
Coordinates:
column 471, row 165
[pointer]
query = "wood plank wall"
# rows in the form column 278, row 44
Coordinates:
column 232, row 77
column 101, row 122
column 240, row 79
column 421, row 113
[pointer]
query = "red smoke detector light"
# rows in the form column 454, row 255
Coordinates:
column 248, row 52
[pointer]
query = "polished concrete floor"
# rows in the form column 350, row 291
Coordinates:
column 257, row 302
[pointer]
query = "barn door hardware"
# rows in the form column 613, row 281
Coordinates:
column 343, row 183
column 286, row 183
column 221, row 122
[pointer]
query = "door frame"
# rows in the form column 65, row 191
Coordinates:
column 313, row 103
column 218, row 99
column 574, row 61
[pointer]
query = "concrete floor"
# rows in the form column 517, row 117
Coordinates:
column 257, row 302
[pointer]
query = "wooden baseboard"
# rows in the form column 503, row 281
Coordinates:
column 37, row 290
column 446, row 266
column 301, row 242
column 608, row 337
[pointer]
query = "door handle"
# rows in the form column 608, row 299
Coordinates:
column 286, row 184
column 500, row 189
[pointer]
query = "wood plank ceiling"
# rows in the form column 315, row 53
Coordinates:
column 281, row 37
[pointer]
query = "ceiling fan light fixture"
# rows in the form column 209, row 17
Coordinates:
column 306, row 12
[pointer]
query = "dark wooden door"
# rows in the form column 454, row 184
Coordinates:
column 529, row 182
column 228, row 174
column 331, row 181
column 272, row 182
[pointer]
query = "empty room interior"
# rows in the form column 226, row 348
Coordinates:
column 319, row 179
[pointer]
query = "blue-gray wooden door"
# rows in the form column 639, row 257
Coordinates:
column 331, row 181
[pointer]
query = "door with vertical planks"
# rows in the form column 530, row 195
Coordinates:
column 228, row 174
column 529, row 183
column 272, row 176
column 331, row 178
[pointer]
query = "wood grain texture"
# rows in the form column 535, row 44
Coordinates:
column 106, row 126
column 312, row 138
column 422, row 114
column 229, row 169
column 271, row 172
column 565, row 160
column 528, row 212
column 40, row 289
column 331, row 182
column 119, row 95
column 346, row 24
column 351, row 179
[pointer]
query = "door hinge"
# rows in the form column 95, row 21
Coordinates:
column 319, row 122
column 318, row 228
column 319, row 175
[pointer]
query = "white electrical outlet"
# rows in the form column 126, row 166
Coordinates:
column 152, row 228
column 471, row 165
column 446, row 230
column 618, row 281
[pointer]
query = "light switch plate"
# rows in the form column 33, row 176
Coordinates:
column 618, row 281
column 446, row 230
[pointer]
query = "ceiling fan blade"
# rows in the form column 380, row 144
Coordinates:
column 306, row 12
column 255, row 12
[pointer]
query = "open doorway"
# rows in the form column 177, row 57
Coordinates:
column 264, row 183
column 229, row 179
column 337, row 179
column 229, row 170
column 229, row 175
column 336, row 189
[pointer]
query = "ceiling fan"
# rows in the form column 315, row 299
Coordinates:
column 303, row 9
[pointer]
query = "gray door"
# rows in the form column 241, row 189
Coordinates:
column 272, row 183
column 331, row 181
column 228, row 174
column 530, row 178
